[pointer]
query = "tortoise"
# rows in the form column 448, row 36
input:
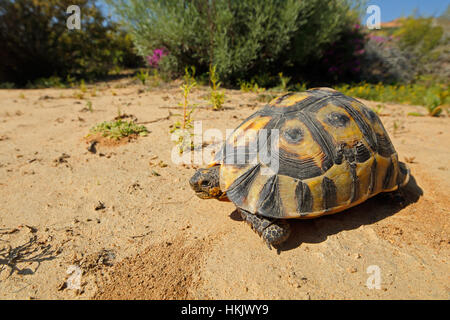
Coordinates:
column 333, row 153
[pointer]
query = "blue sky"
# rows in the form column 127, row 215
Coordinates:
column 392, row 9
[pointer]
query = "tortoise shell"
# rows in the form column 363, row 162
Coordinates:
column 333, row 153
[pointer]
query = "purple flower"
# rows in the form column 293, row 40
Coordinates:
column 158, row 54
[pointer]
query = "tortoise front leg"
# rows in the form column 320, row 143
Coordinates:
column 273, row 231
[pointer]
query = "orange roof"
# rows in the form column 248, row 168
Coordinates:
column 392, row 24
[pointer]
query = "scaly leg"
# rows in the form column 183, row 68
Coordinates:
column 273, row 231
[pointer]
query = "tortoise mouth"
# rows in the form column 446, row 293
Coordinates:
column 203, row 195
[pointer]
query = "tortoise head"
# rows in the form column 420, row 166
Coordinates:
column 205, row 183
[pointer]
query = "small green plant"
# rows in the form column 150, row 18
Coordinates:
column 94, row 92
column 283, row 82
column 142, row 76
column 300, row 87
column 415, row 114
column 251, row 86
column 378, row 109
column 396, row 127
column 82, row 92
column 118, row 129
column 184, row 127
column 89, row 106
column 217, row 98
column 265, row 97
column 245, row 86
column 83, row 88
column 432, row 103
column 79, row 95
column 156, row 174
column 155, row 78
column 70, row 81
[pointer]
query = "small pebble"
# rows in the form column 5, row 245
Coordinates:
column 100, row 206
column 352, row 270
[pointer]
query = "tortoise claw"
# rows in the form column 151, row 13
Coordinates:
column 272, row 231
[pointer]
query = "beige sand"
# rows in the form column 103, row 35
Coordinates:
column 155, row 240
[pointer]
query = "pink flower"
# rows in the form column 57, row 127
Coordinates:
column 158, row 54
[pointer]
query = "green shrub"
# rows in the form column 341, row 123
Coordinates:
column 415, row 48
column 420, row 37
column 36, row 42
column 241, row 38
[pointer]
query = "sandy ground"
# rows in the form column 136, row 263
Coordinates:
column 155, row 240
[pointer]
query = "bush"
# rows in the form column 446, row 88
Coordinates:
column 384, row 61
column 419, row 36
column 242, row 38
column 36, row 42
column 342, row 58
column 402, row 54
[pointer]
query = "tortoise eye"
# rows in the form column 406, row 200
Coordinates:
column 204, row 183
column 337, row 119
column 294, row 135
